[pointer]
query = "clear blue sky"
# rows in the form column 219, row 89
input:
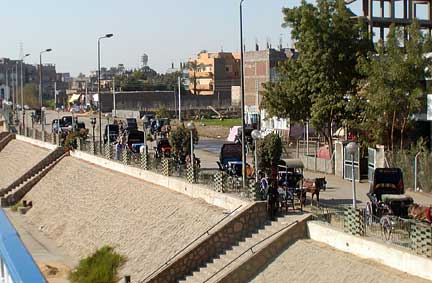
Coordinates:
column 169, row 30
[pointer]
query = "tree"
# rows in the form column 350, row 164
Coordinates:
column 317, row 85
column 269, row 151
column 180, row 140
column 392, row 91
column 194, row 67
column 30, row 93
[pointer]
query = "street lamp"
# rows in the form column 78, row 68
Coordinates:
column 41, row 73
column 352, row 149
column 93, row 123
column 22, row 91
column 191, row 127
column 145, row 121
column 73, row 119
column 109, row 35
column 58, row 125
column 43, row 122
column 256, row 135
column 242, row 97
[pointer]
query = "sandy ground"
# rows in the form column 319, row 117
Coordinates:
column 16, row 158
column 82, row 207
column 309, row 261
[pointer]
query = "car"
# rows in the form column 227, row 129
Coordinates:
column 55, row 125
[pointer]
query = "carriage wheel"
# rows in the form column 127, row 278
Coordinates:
column 368, row 214
column 386, row 227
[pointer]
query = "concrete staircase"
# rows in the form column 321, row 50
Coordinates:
column 13, row 193
column 215, row 269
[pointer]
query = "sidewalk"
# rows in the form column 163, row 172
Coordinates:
column 339, row 191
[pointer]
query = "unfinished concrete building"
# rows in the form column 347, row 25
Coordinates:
column 380, row 14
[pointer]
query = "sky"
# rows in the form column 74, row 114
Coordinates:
column 167, row 31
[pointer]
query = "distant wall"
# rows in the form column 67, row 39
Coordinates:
column 150, row 100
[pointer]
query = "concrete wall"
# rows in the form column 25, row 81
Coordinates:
column 317, row 164
column 237, row 228
column 392, row 257
column 38, row 143
column 176, row 184
column 252, row 265
column 150, row 100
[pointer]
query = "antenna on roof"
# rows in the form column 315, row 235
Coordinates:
column 256, row 44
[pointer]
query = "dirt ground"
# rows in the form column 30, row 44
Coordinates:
column 310, row 261
column 82, row 207
column 16, row 158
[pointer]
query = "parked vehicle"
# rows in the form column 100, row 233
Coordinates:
column 57, row 126
column 131, row 124
column 113, row 130
column 134, row 140
column 230, row 159
column 388, row 201
column 163, row 148
column 290, row 183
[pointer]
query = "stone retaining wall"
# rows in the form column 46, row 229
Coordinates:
column 247, row 269
column 18, row 194
column 5, row 138
column 30, row 173
column 244, row 223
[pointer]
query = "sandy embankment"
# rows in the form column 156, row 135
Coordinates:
column 310, row 261
column 16, row 159
column 81, row 207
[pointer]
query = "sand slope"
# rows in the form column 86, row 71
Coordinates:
column 81, row 207
column 309, row 261
column 16, row 158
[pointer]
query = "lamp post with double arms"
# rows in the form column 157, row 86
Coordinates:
column 242, row 97
column 109, row 35
column 41, row 74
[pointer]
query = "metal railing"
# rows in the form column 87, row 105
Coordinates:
column 190, row 244
column 250, row 249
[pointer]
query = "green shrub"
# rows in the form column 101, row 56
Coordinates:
column 100, row 267
column 269, row 151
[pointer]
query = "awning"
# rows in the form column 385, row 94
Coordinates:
column 292, row 163
column 74, row 98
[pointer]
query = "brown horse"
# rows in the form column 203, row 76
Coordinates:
column 314, row 186
column 418, row 212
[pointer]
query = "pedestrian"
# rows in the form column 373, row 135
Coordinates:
column 263, row 185
column 272, row 199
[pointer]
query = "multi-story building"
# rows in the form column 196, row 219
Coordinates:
column 214, row 72
column 260, row 67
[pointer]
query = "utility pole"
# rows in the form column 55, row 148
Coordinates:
column 114, row 98
column 179, row 98
column 55, row 94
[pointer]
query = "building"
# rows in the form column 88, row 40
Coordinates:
column 261, row 67
column 380, row 14
column 214, row 72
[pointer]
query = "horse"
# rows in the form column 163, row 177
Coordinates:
column 419, row 212
column 314, row 186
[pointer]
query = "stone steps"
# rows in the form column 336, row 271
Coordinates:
column 238, row 253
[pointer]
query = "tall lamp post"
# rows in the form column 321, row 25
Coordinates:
column 256, row 135
column 58, row 125
column 352, row 149
column 145, row 122
column 43, row 122
column 242, row 97
column 191, row 127
column 22, row 90
column 109, row 35
column 93, row 123
column 41, row 74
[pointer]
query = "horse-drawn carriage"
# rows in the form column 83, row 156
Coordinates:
column 163, row 148
column 230, row 159
column 388, row 202
column 290, row 183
